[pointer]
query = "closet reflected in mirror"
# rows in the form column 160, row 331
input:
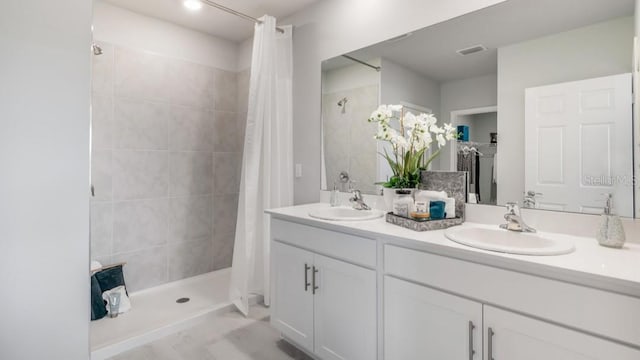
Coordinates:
column 476, row 152
column 547, row 105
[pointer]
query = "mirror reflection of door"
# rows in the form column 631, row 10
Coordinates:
column 577, row 144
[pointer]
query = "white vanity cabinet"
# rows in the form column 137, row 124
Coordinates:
column 325, row 305
column 422, row 323
column 515, row 337
column 343, row 295
column 421, row 320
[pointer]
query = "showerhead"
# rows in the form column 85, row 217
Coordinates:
column 97, row 50
column 342, row 102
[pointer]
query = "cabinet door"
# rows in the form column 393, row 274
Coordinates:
column 422, row 323
column 345, row 311
column 510, row 336
column 292, row 299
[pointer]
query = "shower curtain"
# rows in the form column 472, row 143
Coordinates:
column 267, row 163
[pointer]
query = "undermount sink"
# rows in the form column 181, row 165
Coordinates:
column 511, row 242
column 345, row 214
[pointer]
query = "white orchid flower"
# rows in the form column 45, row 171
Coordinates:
column 441, row 140
column 396, row 108
column 410, row 120
column 450, row 132
column 436, row 129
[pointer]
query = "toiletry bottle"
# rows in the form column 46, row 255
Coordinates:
column 403, row 203
column 611, row 232
column 334, row 201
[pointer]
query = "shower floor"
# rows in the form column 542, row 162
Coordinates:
column 154, row 313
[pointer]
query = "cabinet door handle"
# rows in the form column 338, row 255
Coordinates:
column 471, row 351
column 313, row 281
column 490, row 343
column 306, row 276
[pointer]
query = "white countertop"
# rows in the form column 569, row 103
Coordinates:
column 616, row 270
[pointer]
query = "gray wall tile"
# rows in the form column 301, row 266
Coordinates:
column 225, row 211
column 101, row 121
column 191, row 258
column 141, row 124
column 243, row 90
column 222, row 250
column 226, row 176
column 141, row 75
column 145, row 268
column 226, row 134
column 190, row 84
column 139, row 174
column 101, row 229
column 190, row 173
column 225, row 85
column 101, row 174
column 190, row 129
column 139, row 224
column 190, row 218
column 159, row 126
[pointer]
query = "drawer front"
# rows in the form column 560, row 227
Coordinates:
column 353, row 249
column 607, row 314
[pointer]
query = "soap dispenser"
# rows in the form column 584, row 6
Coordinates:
column 611, row 232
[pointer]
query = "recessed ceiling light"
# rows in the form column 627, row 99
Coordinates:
column 193, row 5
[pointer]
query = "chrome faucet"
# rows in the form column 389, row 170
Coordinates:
column 514, row 220
column 357, row 201
column 530, row 200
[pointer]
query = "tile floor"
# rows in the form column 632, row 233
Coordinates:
column 229, row 336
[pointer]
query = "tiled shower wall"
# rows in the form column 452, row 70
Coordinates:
column 167, row 142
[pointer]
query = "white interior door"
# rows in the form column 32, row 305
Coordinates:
column 578, row 144
column 345, row 311
column 516, row 337
column 292, row 305
column 422, row 323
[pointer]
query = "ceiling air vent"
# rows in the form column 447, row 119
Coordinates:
column 471, row 50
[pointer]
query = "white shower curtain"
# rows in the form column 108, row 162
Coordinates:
column 267, row 163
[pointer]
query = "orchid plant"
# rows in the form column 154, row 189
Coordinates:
column 410, row 136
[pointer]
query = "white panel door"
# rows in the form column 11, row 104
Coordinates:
column 509, row 336
column 578, row 144
column 422, row 323
column 345, row 311
column 292, row 304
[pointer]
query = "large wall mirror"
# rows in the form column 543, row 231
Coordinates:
column 543, row 87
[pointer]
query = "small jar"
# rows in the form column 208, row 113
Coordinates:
column 422, row 202
column 403, row 203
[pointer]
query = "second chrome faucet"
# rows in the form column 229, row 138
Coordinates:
column 514, row 219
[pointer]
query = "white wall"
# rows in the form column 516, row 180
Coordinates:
column 400, row 84
column 115, row 25
column 481, row 91
column 333, row 27
column 44, row 183
column 593, row 51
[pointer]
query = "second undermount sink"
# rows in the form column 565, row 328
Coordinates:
column 343, row 213
column 511, row 242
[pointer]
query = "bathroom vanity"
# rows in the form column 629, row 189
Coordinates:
column 363, row 290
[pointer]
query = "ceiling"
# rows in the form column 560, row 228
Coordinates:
column 432, row 51
column 211, row 20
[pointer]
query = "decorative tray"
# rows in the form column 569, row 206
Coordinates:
column 454, row 183
column 422, row 225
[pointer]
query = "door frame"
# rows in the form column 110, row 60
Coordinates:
column 455, row 115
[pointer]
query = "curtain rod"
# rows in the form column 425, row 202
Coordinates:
column 376, row 68
column 236, row 13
